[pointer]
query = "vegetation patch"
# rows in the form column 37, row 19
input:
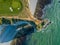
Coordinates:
column 10, row 6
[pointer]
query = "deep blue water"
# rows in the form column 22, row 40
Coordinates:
column 9, row 32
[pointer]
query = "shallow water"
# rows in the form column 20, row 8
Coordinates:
column 50, row 35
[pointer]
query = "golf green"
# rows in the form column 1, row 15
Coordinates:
column 10, row 6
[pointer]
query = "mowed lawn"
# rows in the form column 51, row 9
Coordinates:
column 4, row 7
column 10, row 6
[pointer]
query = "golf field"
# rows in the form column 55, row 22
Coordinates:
column 10, row 6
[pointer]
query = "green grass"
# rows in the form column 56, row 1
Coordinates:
column 16, row 4
column 6, row 4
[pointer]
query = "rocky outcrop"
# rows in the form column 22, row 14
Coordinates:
column 40, row 5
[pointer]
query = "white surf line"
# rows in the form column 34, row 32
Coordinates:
column 11, row 9
column 32, row 5
column 19, row 29
column 6, row 43
column 23, row 27
column 47, row 24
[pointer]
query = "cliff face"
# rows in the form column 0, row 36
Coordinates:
column 40, row 5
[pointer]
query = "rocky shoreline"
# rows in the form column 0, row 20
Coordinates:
column 39, row 7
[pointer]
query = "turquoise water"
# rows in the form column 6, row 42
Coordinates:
column 51, row 34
